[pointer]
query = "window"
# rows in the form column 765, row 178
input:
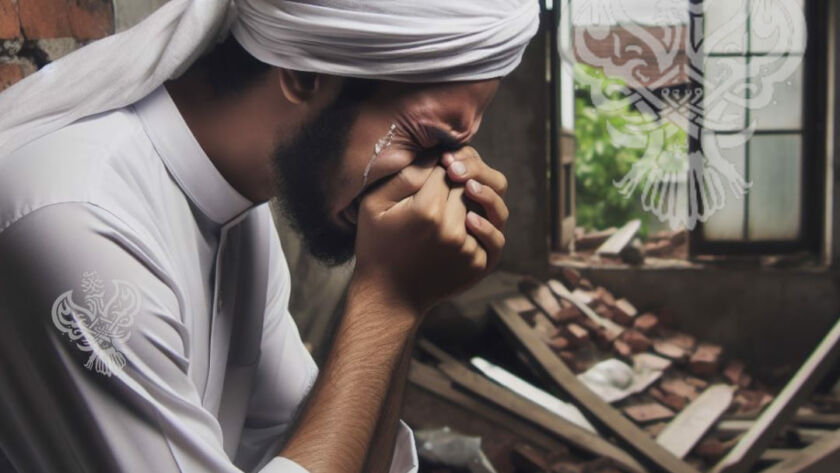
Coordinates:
column 740, row 92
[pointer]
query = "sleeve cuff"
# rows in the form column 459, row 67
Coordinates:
column 405, row 451
column 283, row 465
column 404, row 459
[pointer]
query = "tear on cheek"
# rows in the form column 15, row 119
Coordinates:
column 381, row 145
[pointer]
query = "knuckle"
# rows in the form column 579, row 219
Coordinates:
column 412, row 180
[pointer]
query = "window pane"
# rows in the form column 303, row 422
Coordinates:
column 726, row 26
column 727, row 224
column 776, row 194
column 725, row 93
column 777, row 26
column 776, row 99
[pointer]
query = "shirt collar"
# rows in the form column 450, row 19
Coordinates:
column 186, row 161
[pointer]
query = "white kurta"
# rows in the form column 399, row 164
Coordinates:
column 144, row 307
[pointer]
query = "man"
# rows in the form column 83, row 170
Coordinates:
column 143, row 290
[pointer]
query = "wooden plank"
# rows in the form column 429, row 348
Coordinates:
column 620, row 239
column 823, row 456
column 601, row 414
column 432, row 380
column 745, row 453
column 537, row 414
column 737, row 427
column 613, row 329
column 688, row 428
column 802, row 417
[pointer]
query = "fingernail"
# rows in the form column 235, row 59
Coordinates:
column 474, row 186
column 458, row 168
column 473, row 218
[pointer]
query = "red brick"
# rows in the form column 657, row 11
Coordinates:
column 567, row 314
column 558, row 343
column 669, row 350
column 734, row 371
column 636, row 340
column 604, row 296
column 625, row 313
column 571, row 276
column 706, row 360
column 646, row 322
column 9, row 21
column 622, row 348
column 648, row 412
column 9, row 74
column 586, row 284
column 679, row 388
column 41, row 19
column 91, row 19
column 671, row 400
column 683, row 340
column 577, row 334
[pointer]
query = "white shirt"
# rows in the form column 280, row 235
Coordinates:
column 144, row 307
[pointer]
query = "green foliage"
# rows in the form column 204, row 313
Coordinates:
column 599, row 161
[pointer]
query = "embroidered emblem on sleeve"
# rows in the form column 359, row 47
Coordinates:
column 98, row 325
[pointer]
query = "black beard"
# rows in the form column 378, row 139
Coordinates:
column 303, row 168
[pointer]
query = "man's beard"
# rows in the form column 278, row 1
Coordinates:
column 304, row 167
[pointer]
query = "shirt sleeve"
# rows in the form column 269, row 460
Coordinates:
column 285, row 374
column 95, row 354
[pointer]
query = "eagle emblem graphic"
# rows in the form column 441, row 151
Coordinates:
column 98, row 325
column 666, row 73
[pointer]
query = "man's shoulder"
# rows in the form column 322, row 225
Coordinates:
column 99, row 160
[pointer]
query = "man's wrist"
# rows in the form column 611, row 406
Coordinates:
column 376, row 300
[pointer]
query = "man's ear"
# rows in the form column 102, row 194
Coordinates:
column 299, row 87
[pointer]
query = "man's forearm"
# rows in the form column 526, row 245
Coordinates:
column 381, row 451
column 337, row 426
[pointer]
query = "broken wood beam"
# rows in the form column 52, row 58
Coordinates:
column 536, row 414
column 601, row 414
column 688, row 428
column 612, row 329
column 822, row 456
column 620, row 239
column 745, row 453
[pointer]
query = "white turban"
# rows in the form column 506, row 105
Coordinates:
column 399, row 40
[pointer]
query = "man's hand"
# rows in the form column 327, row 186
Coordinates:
column 417, row 243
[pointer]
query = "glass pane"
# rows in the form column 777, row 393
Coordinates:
column 725, row 93
column 725, row 26
column 567, row 98
column 776, row 194
column 776, row 96
column 645, row 12
column 777, row 26
column 727, row 224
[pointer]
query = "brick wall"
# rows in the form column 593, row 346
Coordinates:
column 35, row 32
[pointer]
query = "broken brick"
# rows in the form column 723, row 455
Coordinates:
column 572, row 362
column 706, row 360
column 671, row 400
column 646, row 322
column 558, row 343
column 637, row 341
column 584, row 297
column 586, row 284
column 622, row 348
column 752, row 400
column 649, row 361
column 734, row 372
column 604, row 296
column 669, row 350
column 648, row 412
column 697, row 382
column 679, row 388
column 683, row 340
column 567, row 314
column 577, row 334
column 624, row 313
column 571, row 276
